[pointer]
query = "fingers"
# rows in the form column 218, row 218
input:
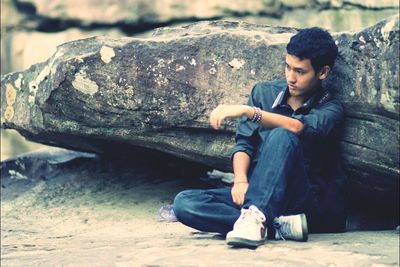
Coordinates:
column 215, row 123
column 239, row 199
column 222, row 112
column 216, row 117
column 237, row 196
column 234, row 197
column 219, row 122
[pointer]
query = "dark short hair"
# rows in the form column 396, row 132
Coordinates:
column 315, row 44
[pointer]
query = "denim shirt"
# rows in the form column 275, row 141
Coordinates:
column 322, row 117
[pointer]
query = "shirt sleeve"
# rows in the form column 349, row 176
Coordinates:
column 321, row 121
column 247, row 138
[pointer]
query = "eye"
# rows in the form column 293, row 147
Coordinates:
column 287, row 67
column 300, row 72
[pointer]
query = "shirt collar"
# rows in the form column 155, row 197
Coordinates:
column 311, row 100
column 283, row 95
column 281, row 98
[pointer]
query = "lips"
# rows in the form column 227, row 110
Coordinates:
column 292, row 86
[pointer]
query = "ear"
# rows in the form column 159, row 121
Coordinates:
column 324, row 72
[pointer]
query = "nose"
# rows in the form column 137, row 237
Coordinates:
column 291, row 76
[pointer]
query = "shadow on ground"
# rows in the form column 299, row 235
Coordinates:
column 64, row 208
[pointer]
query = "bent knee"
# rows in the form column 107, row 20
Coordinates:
column 182, row 202
column 282, row 135
column 179, row 200
column 282, row 132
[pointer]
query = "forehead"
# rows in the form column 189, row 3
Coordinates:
column 296, row 62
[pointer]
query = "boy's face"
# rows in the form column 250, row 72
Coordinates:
column 301, row 76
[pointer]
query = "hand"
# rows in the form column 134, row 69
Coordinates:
column 238, row 192
column 226, row 111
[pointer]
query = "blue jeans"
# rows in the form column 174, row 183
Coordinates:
column 278, row 185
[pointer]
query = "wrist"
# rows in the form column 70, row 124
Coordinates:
column 257, row 115
column 240, row 180
column 248, row 111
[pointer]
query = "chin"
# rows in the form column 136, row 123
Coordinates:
column 294, row 92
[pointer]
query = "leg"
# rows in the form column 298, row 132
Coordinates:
column 207, row 210
column 279, row 182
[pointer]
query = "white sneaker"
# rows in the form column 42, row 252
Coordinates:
column 249, row 229
column 292, row 227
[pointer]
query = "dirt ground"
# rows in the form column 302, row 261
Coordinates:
column 91, row 212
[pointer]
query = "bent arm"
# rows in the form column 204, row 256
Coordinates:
column 269, row 119
column 273, row 120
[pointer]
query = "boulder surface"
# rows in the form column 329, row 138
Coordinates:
column 105, row 12
column 106, row 95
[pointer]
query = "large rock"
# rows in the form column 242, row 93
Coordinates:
column 31, row 30
column 333, row 19
column 132, row 12
column 141, row 11
column 105, row 95
column 372, row 4
column 21, row 49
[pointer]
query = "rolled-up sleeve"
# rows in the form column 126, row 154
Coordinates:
column 320, row 122
column 247, row 137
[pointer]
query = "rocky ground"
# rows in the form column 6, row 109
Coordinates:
column 59, row 210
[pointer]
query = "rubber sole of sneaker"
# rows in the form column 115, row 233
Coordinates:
column 244, row 243
column 304, row 227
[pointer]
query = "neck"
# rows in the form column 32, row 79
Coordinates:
column 296, row 101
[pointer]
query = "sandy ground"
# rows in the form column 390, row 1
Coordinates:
column 90, row 212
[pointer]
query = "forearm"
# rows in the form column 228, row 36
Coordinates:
column 273, row 120
column 241, row 164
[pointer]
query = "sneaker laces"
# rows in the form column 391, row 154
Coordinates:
column 251, row 214
column 282, row 228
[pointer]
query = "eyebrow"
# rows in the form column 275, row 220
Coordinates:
column 296, row 69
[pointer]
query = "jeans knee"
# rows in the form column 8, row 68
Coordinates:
column 181, row 203
column 283, row 135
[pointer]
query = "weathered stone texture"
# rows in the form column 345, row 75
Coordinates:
column 31, row 30
column 361, row 3
column 102, row 94
column 89, row 12
column 142, row 11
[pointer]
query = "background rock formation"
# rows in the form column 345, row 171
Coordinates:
column 87, row 12
column 31, row 30
column 29, row 35
column 105, row 95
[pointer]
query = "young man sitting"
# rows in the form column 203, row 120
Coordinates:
column 285, row 161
